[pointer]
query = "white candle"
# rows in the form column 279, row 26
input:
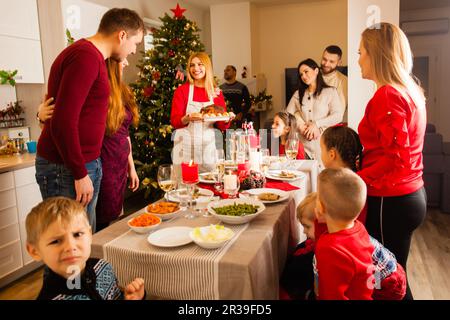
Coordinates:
column 230, row 182
column 255, row 160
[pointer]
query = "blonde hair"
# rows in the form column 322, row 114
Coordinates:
column 120, row 98
column 342, row 193
column 392, row 60
column 60, row 209
column 305, row 209
column 210, row 84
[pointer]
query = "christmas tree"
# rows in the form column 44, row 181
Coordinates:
column 161, row 72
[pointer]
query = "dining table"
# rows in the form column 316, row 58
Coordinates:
column 248, row 267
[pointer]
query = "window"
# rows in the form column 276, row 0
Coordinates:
column 148, row 38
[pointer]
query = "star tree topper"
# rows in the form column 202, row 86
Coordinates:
column 178, row 11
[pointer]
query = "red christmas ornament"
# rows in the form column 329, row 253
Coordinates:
column 148, row 91
column 156, row 75
column 175, row 42
column 146, row 143
column 171, row 53
column 178, row 11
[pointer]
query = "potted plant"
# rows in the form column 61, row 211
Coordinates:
column 261, row 102
column 8, row 77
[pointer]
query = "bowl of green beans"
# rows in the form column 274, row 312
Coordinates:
column 236, row 211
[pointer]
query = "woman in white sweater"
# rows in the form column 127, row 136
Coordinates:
column 316, row 106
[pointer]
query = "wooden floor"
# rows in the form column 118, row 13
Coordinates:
column 428, row 264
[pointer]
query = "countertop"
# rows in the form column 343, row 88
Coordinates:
column 15, row 162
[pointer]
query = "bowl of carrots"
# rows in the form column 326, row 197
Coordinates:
column 164, row 209
column 144, row 223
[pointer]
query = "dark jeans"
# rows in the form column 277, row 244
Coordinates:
column 392, row 221
column 56, row 180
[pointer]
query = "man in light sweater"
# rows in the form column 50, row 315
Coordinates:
column 331, row 59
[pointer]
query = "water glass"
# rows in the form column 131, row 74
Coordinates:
column 231, row 185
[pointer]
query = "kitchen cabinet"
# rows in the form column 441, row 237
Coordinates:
column 20, row 39
column 23, row 55
column 28, row 195
column 19, row 193
column 19, row 19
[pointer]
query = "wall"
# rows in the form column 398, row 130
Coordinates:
column 53, row 41
column 359, row 17
column 254, row 25
column 231, row 37
column 290, row 33
column 439, row 46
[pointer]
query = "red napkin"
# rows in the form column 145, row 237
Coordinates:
column 272, row 184
column 211, row 187
column 280, row 185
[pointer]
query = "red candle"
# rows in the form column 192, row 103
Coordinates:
column 189, row 171
column 244, row 167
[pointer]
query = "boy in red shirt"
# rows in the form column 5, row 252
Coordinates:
column 297, row 280
column 343, row 265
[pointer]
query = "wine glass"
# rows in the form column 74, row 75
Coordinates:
column 292, row 149
column 265, row 163
column 220, row 165
column 166, row 179
column 183, row 197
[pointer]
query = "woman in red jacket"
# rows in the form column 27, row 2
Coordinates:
column 392, row 134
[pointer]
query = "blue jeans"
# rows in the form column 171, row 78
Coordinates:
column 56, row 180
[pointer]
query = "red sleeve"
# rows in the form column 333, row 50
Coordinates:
column 390, row 120
column 76, row 83
column 220, row 101
column 336, row 271
column 179, row 106
column 319, row 229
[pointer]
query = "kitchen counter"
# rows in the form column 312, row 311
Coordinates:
column 15, row 162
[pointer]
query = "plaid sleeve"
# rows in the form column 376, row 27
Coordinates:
column 384, row 261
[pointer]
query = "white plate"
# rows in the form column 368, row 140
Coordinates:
column 235, row 219
column 283, row 194
column 170, row 237
column 204, row 192
column 201, row 178
column 215, row 119
column 275, row 175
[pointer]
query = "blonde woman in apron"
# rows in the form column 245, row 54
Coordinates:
column 195, row 139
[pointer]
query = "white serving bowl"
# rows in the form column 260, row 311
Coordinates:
column 236, row 219
column 143, row 230
column 226, row 235
column 164, row 216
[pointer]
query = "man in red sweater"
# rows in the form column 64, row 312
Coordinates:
column 343, row 265
column 68, row 156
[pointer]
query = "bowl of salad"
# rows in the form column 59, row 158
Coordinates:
column 211, row 237
column 236, row 211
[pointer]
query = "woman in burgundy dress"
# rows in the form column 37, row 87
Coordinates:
column 116, row 154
